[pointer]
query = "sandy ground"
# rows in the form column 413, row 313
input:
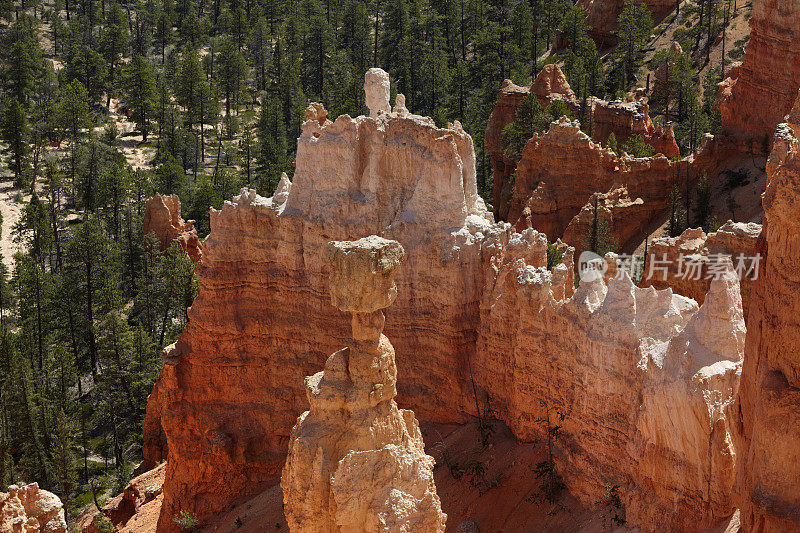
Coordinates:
column 12, row 211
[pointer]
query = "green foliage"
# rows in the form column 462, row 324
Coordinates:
column 599, row 239
column 702, row 203
column 634, row 26
column 554, row 254
column 186, row 521
column 635, row 146
column 529, row 120
column 612, row 508
column 15, row 130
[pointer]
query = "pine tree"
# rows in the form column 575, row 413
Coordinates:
column 272, row 159
column 15, row 130
column 634, row 27
column 140, row 92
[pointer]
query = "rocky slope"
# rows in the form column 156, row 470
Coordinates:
column 28, row 509
column 768, row 443
column 356, row 462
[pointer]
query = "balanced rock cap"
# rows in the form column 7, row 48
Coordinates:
column 362, row 273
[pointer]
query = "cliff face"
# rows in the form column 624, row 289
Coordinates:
column 657, row 372
column 474, row 300
column 559, row 172
column 232, row 386
column 758, row 94
column 28, row 509
column 623, row 119
column 687, row 263
column 768, row 443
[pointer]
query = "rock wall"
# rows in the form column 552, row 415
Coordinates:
column 757, row 95
column 162, row 216
column 560, row 171
column 687, row 263
column 356, row 462
column 639, row 381
column 623, row 119
column 28, row 509
column 232, row 386
column 768, row 442
column 475, row 300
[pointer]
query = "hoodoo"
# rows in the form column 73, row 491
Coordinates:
column 356, row 462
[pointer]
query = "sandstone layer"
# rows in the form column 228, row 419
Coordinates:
column 639, row 381
column 560, row 171
column 28, row 509
column 756, row 96
column 475, row 303
column 162, row 216
column 768, row 442
column 231, row 390
column 623, row 119
column 689, row 262
column 356, row 462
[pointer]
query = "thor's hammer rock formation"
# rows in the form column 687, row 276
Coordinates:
column 356, row 462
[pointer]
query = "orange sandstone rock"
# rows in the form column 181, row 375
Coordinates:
column 756, row 96
column 28, row 509
column 643, row 381
column 623, row 119
column 601, row 16
column 768, row 441
column 162, row 216
column 687, row 263
column 356, row 462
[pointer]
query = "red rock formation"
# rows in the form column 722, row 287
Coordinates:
column 356, row 462
column 758, row 94
column 601, row 16
column 162, row 216
column 28, row 509
column 623, row 119
column 768, row 441
column 560, row 171
column 687, row 263
column 232, row 386
column 139, row 502
column 643, row 363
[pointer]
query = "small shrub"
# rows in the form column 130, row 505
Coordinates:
column 613, row 510
column 554, row 255
column 186, row 521
column 103, row 524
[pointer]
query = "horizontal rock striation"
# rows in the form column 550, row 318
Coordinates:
column 232, row 386
column 758, row 94
column 689, row 262
column 768, row 442
column 475, row 303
